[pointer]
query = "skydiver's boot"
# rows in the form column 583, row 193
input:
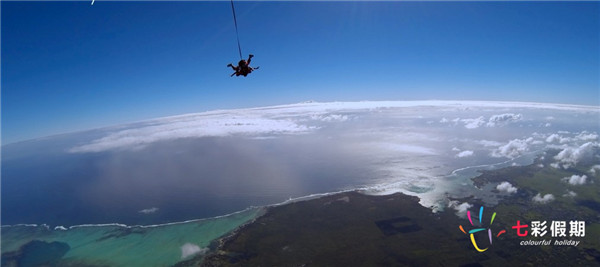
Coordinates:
column 229, row 65
column 250, row 56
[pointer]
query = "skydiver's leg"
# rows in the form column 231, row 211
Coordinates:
column 250, row 58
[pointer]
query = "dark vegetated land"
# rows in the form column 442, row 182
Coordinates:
column 353, row 229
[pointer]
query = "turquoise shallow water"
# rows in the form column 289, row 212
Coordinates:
column 119, row 245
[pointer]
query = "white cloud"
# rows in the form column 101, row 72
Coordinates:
column 543, row 200
column 189, row 249
column 493, row 121
column 575, row 179
column 570, row 156
column 464, row 154
column 149, row 211
column 455, row 149
column 488, row 143
column 474, row 123
column 512, row 149
column 190, row 126
column 570, row 194
column 538, row 135
column 553, row 138
column 594, row 168
column 286, row 119
column 506, row 187
column 502, row 119
column 565, row 140
column 557, row 138
column 330, row 118
column 537, row 142
column 586, row 136
column 461, row 209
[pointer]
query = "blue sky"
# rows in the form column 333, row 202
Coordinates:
column 70, row 66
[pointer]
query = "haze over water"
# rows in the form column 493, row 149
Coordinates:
column 214, row 163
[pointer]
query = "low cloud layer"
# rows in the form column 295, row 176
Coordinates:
column 502, row 119
column 512, row 149
column 594, row 169
column 295, row 150
column 464, row 154
column 493, row 121
column 330, row 118
column 189, row 249
column 298, row 119
column 190, row 127
column 576, row 179
column 557, row 138
column 571, row 156
column 461, row 208
column 587, row 136
column 474, row 123
column 506, row 187
column 149, row 211
column 543, row 199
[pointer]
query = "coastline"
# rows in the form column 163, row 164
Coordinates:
column 368, row 190
column 352, row 228
column 215, row 246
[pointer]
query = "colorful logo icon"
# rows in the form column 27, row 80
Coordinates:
column 477, row 230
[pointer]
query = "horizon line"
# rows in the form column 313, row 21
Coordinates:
column 523, row 104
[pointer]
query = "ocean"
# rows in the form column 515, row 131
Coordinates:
column 170, row 181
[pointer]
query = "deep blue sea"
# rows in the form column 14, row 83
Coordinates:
column 172, row 181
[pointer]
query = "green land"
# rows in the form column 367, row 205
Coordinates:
column 353, row 229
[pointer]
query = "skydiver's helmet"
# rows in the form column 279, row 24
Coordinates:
column 242, row 63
